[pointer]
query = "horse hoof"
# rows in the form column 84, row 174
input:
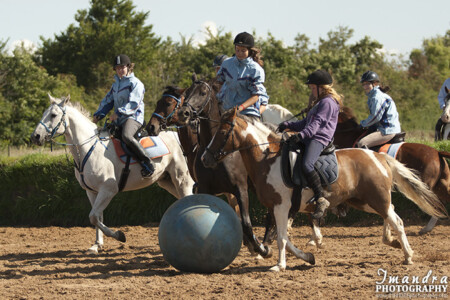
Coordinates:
column 269, row 252
column 408, row 261
column 311, row 243
column 277, row 268
column 93, row 250
column 396, row 244
column 121, row 236
column 423, row 231
column 311, row 259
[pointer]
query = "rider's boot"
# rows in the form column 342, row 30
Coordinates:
column 321, row 203
column 148, row 166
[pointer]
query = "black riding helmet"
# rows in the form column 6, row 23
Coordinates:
column 121, row 60
column 319, row 77
column 369, row 76
column 244, row 39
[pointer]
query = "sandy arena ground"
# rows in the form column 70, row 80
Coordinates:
column 51, row 263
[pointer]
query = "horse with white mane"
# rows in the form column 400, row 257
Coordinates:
column 98, row 168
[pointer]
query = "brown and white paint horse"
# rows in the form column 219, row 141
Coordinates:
column 365, row 182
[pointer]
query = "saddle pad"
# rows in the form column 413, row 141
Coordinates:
column 326, row 166
column 391, row 149
column 153, row 145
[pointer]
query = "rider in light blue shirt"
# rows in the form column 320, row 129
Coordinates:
column 127, row 98
column 383, row 112
column 243, row 78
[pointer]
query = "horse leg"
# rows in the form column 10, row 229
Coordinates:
column 232, row 201
column 167, row 184
column 446, row 132
column 396, row 223
column 98, row 245
column 251, row 241
column 429, row 226
column 281, row 217
column 102, row 200
column 316, row 237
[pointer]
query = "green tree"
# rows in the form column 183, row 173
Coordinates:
column 23, row 95
column 86, row 49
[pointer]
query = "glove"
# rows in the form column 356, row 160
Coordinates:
column 294, row 140
column 282, row 127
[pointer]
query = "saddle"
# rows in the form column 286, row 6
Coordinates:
column 291, row 170
column 391, row 147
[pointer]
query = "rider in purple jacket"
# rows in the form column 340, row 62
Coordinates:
column 316, row 131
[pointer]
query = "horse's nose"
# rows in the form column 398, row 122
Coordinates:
column 35, row 138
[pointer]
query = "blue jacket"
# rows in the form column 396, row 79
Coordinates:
column 242, row 79
column 127, row 98
column 320, row 122
column 383, row 112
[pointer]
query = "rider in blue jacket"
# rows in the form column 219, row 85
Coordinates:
column 127, row 98
column 243, row 78
column 383, row 112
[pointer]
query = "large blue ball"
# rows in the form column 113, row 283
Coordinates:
column 200, row 233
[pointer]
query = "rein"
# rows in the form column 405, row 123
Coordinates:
column 221, row 152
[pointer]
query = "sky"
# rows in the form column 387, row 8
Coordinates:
column 399, row 25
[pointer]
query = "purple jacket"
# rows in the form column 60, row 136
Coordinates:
column 320, row 123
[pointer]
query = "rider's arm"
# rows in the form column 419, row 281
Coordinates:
column 135, row 99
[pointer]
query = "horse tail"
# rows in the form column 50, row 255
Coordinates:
column 409, row 184
column 444, row 154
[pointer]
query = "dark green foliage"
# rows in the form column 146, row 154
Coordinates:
column 42, row 190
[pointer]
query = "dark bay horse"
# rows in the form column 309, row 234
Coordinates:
column 365, row 182
column 427, row 161
column 230, row 176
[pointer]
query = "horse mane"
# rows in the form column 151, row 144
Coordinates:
column 346, row 115
column 77, row 106
column 173, row 90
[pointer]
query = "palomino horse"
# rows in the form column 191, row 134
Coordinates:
column 365, row 181
column 98, row 168
column 427, row 161
column 442, row 126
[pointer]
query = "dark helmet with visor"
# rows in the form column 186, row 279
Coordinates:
column 121, row 60
column 319, row 77
column 369, row 76
column 244, row 39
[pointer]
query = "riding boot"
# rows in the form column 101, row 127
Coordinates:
column 148, row 166
column 321, row 203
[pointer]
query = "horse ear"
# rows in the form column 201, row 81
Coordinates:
column 52, row 100
column 67, row 99
column 194, row 77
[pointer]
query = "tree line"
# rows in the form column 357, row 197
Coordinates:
column 78, row 61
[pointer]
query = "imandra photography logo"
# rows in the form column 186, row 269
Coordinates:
column 410, row 286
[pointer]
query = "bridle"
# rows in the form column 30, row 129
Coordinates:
column 165, row 120
column 55, row 129
column 195, row 113
column 221, row 152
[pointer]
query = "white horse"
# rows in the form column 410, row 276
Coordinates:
column 98, row 167
column 276, row 114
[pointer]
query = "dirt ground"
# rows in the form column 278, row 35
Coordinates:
column 51, row 263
